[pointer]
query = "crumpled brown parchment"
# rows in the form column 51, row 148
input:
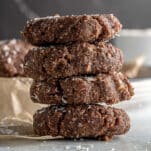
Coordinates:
column 16, row 109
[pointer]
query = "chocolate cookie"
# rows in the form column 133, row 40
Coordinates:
column 64, row 29
column 12, row 54
column 82, row 121
column 72, row 59
column 110, row 89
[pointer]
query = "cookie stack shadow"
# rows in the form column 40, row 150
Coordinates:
column 74, row 70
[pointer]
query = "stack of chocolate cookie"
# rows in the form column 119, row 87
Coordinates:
column 74, row 69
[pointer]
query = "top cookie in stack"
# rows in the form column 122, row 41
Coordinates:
column 65, row 29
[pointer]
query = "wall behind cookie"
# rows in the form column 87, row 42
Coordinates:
column 14, row 13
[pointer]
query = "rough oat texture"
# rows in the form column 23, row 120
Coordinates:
column 64, row 29
column 12, row 54
column 109, row 89
column 82, row 121
column 72, row 59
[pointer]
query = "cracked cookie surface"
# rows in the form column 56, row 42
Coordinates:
column 104, row 88
column 64, row 29
column 82, row 121
column 72, row 59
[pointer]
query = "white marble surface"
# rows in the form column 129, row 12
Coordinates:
column 138, row 138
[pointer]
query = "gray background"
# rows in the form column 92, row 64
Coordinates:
column 14, row 13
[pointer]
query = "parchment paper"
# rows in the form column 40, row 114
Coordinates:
column 16, row 109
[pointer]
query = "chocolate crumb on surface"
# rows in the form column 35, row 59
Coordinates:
column 105, row 88
column 73, row 59
column 81, row 121
column 64, row 29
